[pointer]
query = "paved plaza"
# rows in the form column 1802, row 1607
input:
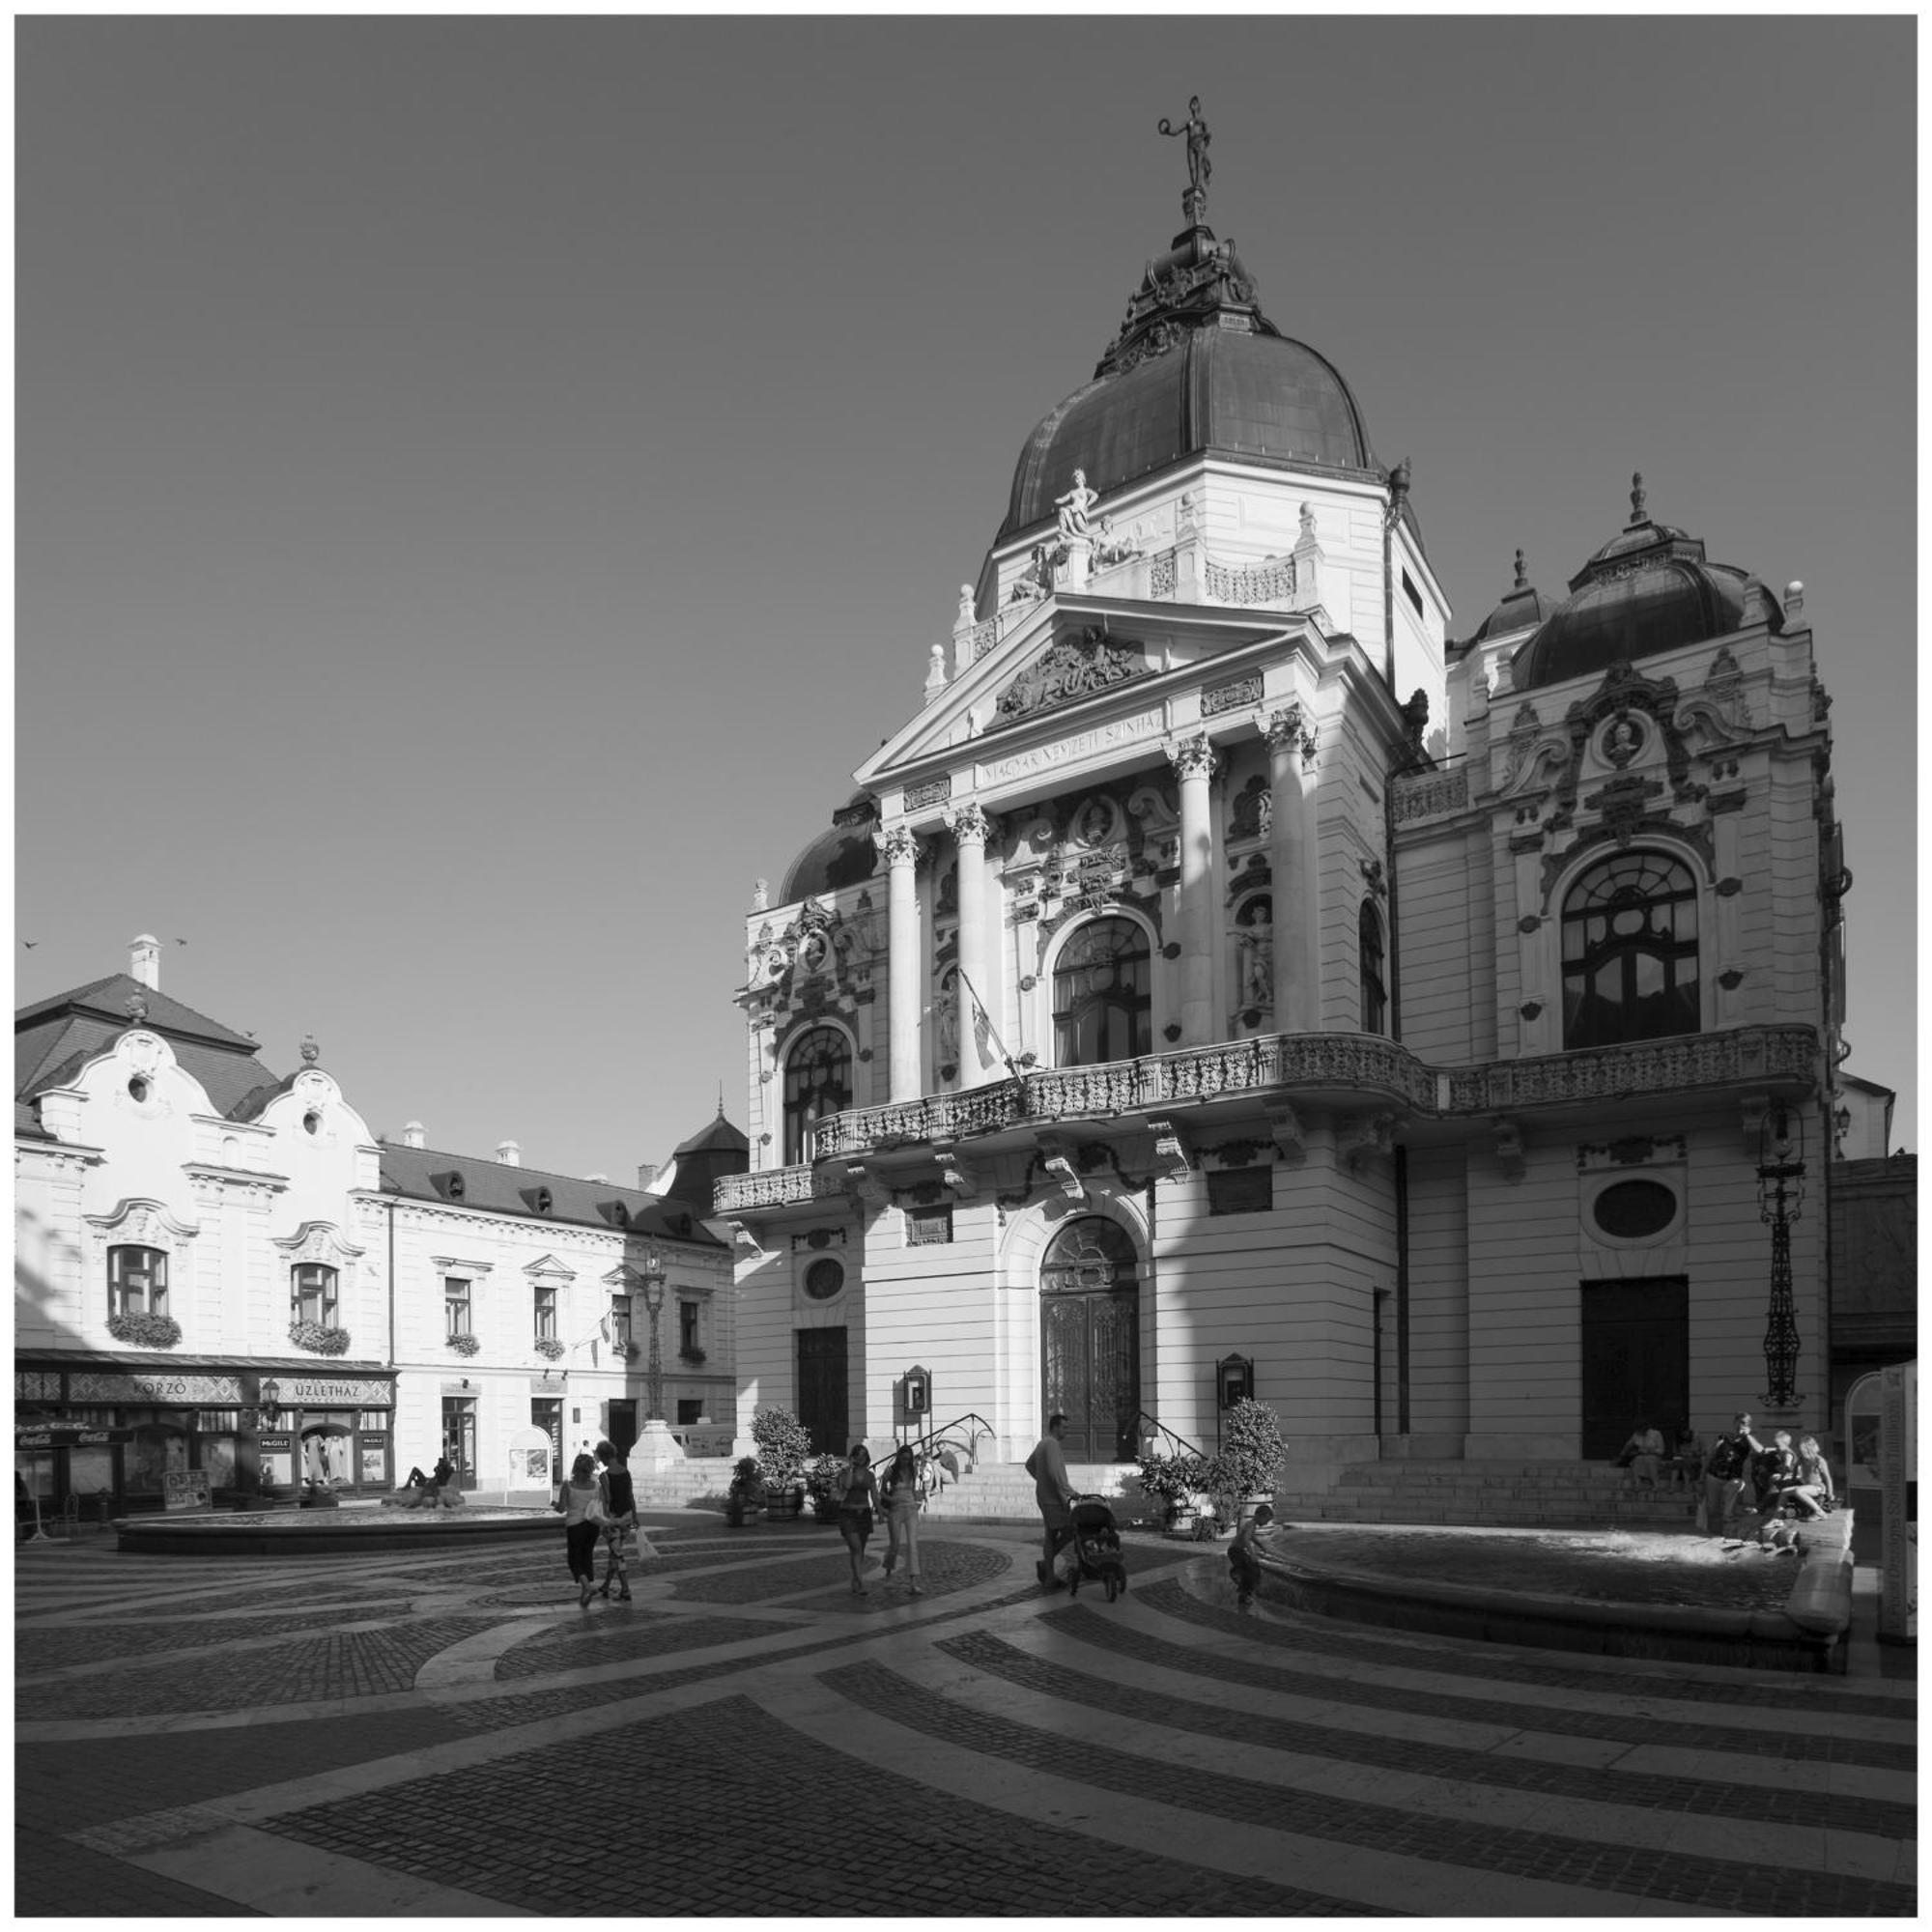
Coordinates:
column 449, row 1735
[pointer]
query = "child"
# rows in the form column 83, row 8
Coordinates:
column 1242, row 1563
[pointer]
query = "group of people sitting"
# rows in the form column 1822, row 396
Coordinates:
column 436, row 1491
column 1780, row 1480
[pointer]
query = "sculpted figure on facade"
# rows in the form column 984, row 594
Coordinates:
column 1075, row 510
column 1194, row 131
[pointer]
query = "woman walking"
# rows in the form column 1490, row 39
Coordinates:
column 860, row 1497
column 901, row 1497
column 581, row 1501
column 621, row 1509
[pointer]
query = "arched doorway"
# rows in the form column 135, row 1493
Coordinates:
column 1089, row 1330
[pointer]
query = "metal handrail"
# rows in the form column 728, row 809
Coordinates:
column 926, row 1450
column 1156, row 1426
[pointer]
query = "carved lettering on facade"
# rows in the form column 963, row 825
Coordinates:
column 1065, row 750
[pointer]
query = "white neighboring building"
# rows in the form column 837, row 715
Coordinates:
column 1225, row 968
column 190, row 1225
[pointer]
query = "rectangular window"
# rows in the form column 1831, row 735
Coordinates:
column 314, row 1293
column 217, row 1421
column 373, row 1418
column 1240, row 1190
column 455, row 1305
column 930, row 1227
column 688, row 1412
column 687, row 1326
column 1410, row 592
column 545, row 1314
column 620, row 1322
column 137, row 1281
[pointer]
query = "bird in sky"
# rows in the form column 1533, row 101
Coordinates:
column 181, row 942
column 30, row 943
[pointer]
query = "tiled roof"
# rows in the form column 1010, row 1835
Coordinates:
column 718, row 1133
column 492, row 1188
column 108, row 998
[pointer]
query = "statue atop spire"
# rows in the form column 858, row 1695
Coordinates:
column 1194, row 202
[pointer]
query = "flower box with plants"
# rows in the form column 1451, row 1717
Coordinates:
column 783, row 1442
column 745, row 1499
column 141, row 1331
column 693, row 1355
column 462, row 1344
column 550, row 1347
column 318, row 1340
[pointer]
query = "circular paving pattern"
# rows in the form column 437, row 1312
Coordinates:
column 411, row 1734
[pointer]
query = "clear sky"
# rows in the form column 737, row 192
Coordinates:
column 483, row 484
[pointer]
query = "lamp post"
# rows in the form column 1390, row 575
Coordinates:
column 654, row 1298
column 1781, row 1200
column 269, row 1401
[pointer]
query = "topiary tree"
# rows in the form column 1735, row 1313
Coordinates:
column 783, row 1443
column 1251, row 1451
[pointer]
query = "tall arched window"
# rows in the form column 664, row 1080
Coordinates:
column 1101, row 1007
column 1374, row 971
column 1630, row 951
column 818, row 1083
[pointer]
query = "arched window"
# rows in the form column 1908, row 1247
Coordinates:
column 137, row 1281
column 1374, row 980
column 1630, row 951
column 818, row 1083
column 1101, row 1007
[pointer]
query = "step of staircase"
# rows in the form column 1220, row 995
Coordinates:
column 1516, row 1493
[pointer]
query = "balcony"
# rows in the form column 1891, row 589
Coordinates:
column 1362, row 1071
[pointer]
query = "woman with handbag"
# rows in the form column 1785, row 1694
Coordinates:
column 581, row 1501
column 901, row 1497
column 620, row 1507
column 857, row 1501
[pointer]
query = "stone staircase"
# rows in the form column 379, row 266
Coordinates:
column 1561, row 1495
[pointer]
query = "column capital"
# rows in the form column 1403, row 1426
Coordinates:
column 1193, row 758
column 898, row 845
column 1289, row 729
column 970, row 822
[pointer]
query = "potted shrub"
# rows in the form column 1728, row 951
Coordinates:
column 1169, row 1483
column 463, row 1345
column 823, row 1475
column 318, row 1340
column 1252, row 1452
column 142, row 1330
column 550, row 1347
column 745, row 1499
column 782, row 1445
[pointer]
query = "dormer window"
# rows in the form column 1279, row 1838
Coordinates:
column 540, row 1200
column 452, row 1185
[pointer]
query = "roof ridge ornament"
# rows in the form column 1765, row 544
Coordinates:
column 1194, row 129
column 1637, row 515
column 1522, row 574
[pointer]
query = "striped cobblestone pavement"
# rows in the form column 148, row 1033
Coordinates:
column 397, row 1735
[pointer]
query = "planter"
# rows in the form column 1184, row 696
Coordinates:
column 782, row 1505
column 741, row 1514
column 1182, row 1524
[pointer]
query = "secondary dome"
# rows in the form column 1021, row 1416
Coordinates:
column 1196, row 366
column 1648, row 590
column 841, row 855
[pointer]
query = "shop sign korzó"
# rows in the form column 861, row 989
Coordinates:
column 204, row 1391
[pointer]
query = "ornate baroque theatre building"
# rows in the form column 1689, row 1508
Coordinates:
column 1225, row 968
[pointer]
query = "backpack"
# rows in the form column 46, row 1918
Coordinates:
column 1728, row 1460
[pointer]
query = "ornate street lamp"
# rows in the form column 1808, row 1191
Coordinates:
column 269, row 1401
column 1781, row 1200
column 654, row 1301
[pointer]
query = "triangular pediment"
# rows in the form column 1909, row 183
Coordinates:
column 1068, row 657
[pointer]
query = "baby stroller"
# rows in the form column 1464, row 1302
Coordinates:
column 1092, row 1553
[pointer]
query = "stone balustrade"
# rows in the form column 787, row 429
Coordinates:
column 1375, row 1073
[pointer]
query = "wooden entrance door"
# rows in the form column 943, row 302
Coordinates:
column 1091, row 1339
column 821, row 1388
column 1636, row 1360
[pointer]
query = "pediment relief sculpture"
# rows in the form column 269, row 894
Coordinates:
column 1071, row 669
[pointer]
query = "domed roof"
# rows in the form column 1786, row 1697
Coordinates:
column 843, row 855
column 1196, row 366
column 1524, row 607
column 1648, row 590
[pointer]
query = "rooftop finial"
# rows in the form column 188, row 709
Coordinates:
column 1636, row 499
column 1194, row 203
column 1522, row 574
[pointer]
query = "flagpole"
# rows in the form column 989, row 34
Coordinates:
column 1012, row 1064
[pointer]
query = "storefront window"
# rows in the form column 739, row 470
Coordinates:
column 374, row 1451
column 325, row 1449
column 217, row 1459
column 158, row 1450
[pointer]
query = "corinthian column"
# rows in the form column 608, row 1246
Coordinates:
column 1290, row 742
column 902, row 972
column 969, row 826
column 1193, row 760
